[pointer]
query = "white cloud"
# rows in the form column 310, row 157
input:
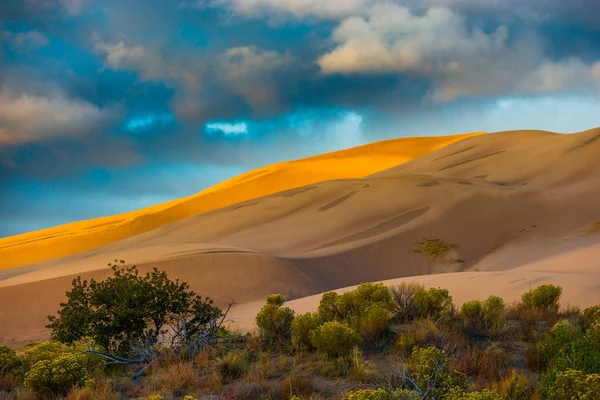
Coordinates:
column 439, row 45
column 150, row 65
column 246, row 71
column 26, row 118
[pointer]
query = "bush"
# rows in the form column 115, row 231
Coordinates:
column 56, row 376
column 404, row 297
column 488, row 315
column 302, row 325
column 433, row 302
column 334, row 338
column 297, row 386
column 572, row 384
column 101, row 391
column 275, row 299
column 486, row 394
column 128, row 311
column 328, row 310
column 10, row 363
column 374, row 321
column 275, row 322
column 488, row 364
column 429, row 368
column 380, row 394
column 591, row 315
column 545, row 296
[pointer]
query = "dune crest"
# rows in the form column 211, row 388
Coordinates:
column 65, row 240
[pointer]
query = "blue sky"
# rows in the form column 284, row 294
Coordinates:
column 110, row 106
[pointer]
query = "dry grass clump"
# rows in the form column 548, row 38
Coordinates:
column 296, row 385
column 247, row 391
column 487, row 364
column 102, row 391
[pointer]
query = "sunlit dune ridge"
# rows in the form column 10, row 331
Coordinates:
column 64, row 240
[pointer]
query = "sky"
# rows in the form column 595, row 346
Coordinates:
column 109, row 106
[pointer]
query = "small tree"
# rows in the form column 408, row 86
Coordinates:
column 127, row 313
column 543, row 297
column 274, row 322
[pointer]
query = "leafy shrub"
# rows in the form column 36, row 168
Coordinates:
column 404, row 297
column 380, row 394
column 591, row 315
column 374, row 321
column 421, row 333
column 128, row 311
column 56, row 376
column 433, row 302
column 486, row 394
column 545, row 296
column 44, row 351
column 275, row 322
column 334, row 338
column 328, row 310
column 572, row 384
column 275, row 299
column 10, row 363
column 302, row 325
column 428, row 369
column 488, row 315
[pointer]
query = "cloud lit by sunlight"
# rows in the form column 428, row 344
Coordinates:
column 228, row 128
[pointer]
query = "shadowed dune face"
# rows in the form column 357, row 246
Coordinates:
column 490, row 195
column 78, row 237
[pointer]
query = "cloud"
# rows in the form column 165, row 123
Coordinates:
column 247, row 72
column 32, row 39
column 440, row 45
column 150, row 65
column 30, row 117
column 297, row 8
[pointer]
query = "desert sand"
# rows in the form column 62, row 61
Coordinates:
column 64, row 240
column 521, row 207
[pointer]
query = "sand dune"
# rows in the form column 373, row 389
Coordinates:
column 77, row 237
column 522, row 208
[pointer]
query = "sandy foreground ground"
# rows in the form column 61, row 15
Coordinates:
column 521, row 208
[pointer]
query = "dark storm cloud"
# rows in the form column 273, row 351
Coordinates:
column 126, row 87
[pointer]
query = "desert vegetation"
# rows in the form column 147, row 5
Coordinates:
column 150, row 337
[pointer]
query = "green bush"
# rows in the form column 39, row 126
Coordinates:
column 275, row 299
column 489, row 314
column 10, row 363
column 328, row 310
column 591, row 315
column 334, row 338
column 302, row 326
column 56, row 376
column 486, row 394
column 571, row 384
column 127, row 311
column 275, row 322
column 544, row 297
column 45, row 351
column 433, row 302
column 380, row 394
column 429, row 368
column 374, row 321
column 232, row 365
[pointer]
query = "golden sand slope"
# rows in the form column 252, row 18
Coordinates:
column 76, row 237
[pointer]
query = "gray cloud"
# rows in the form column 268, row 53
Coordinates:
column 459, row 59
column 30, row 117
